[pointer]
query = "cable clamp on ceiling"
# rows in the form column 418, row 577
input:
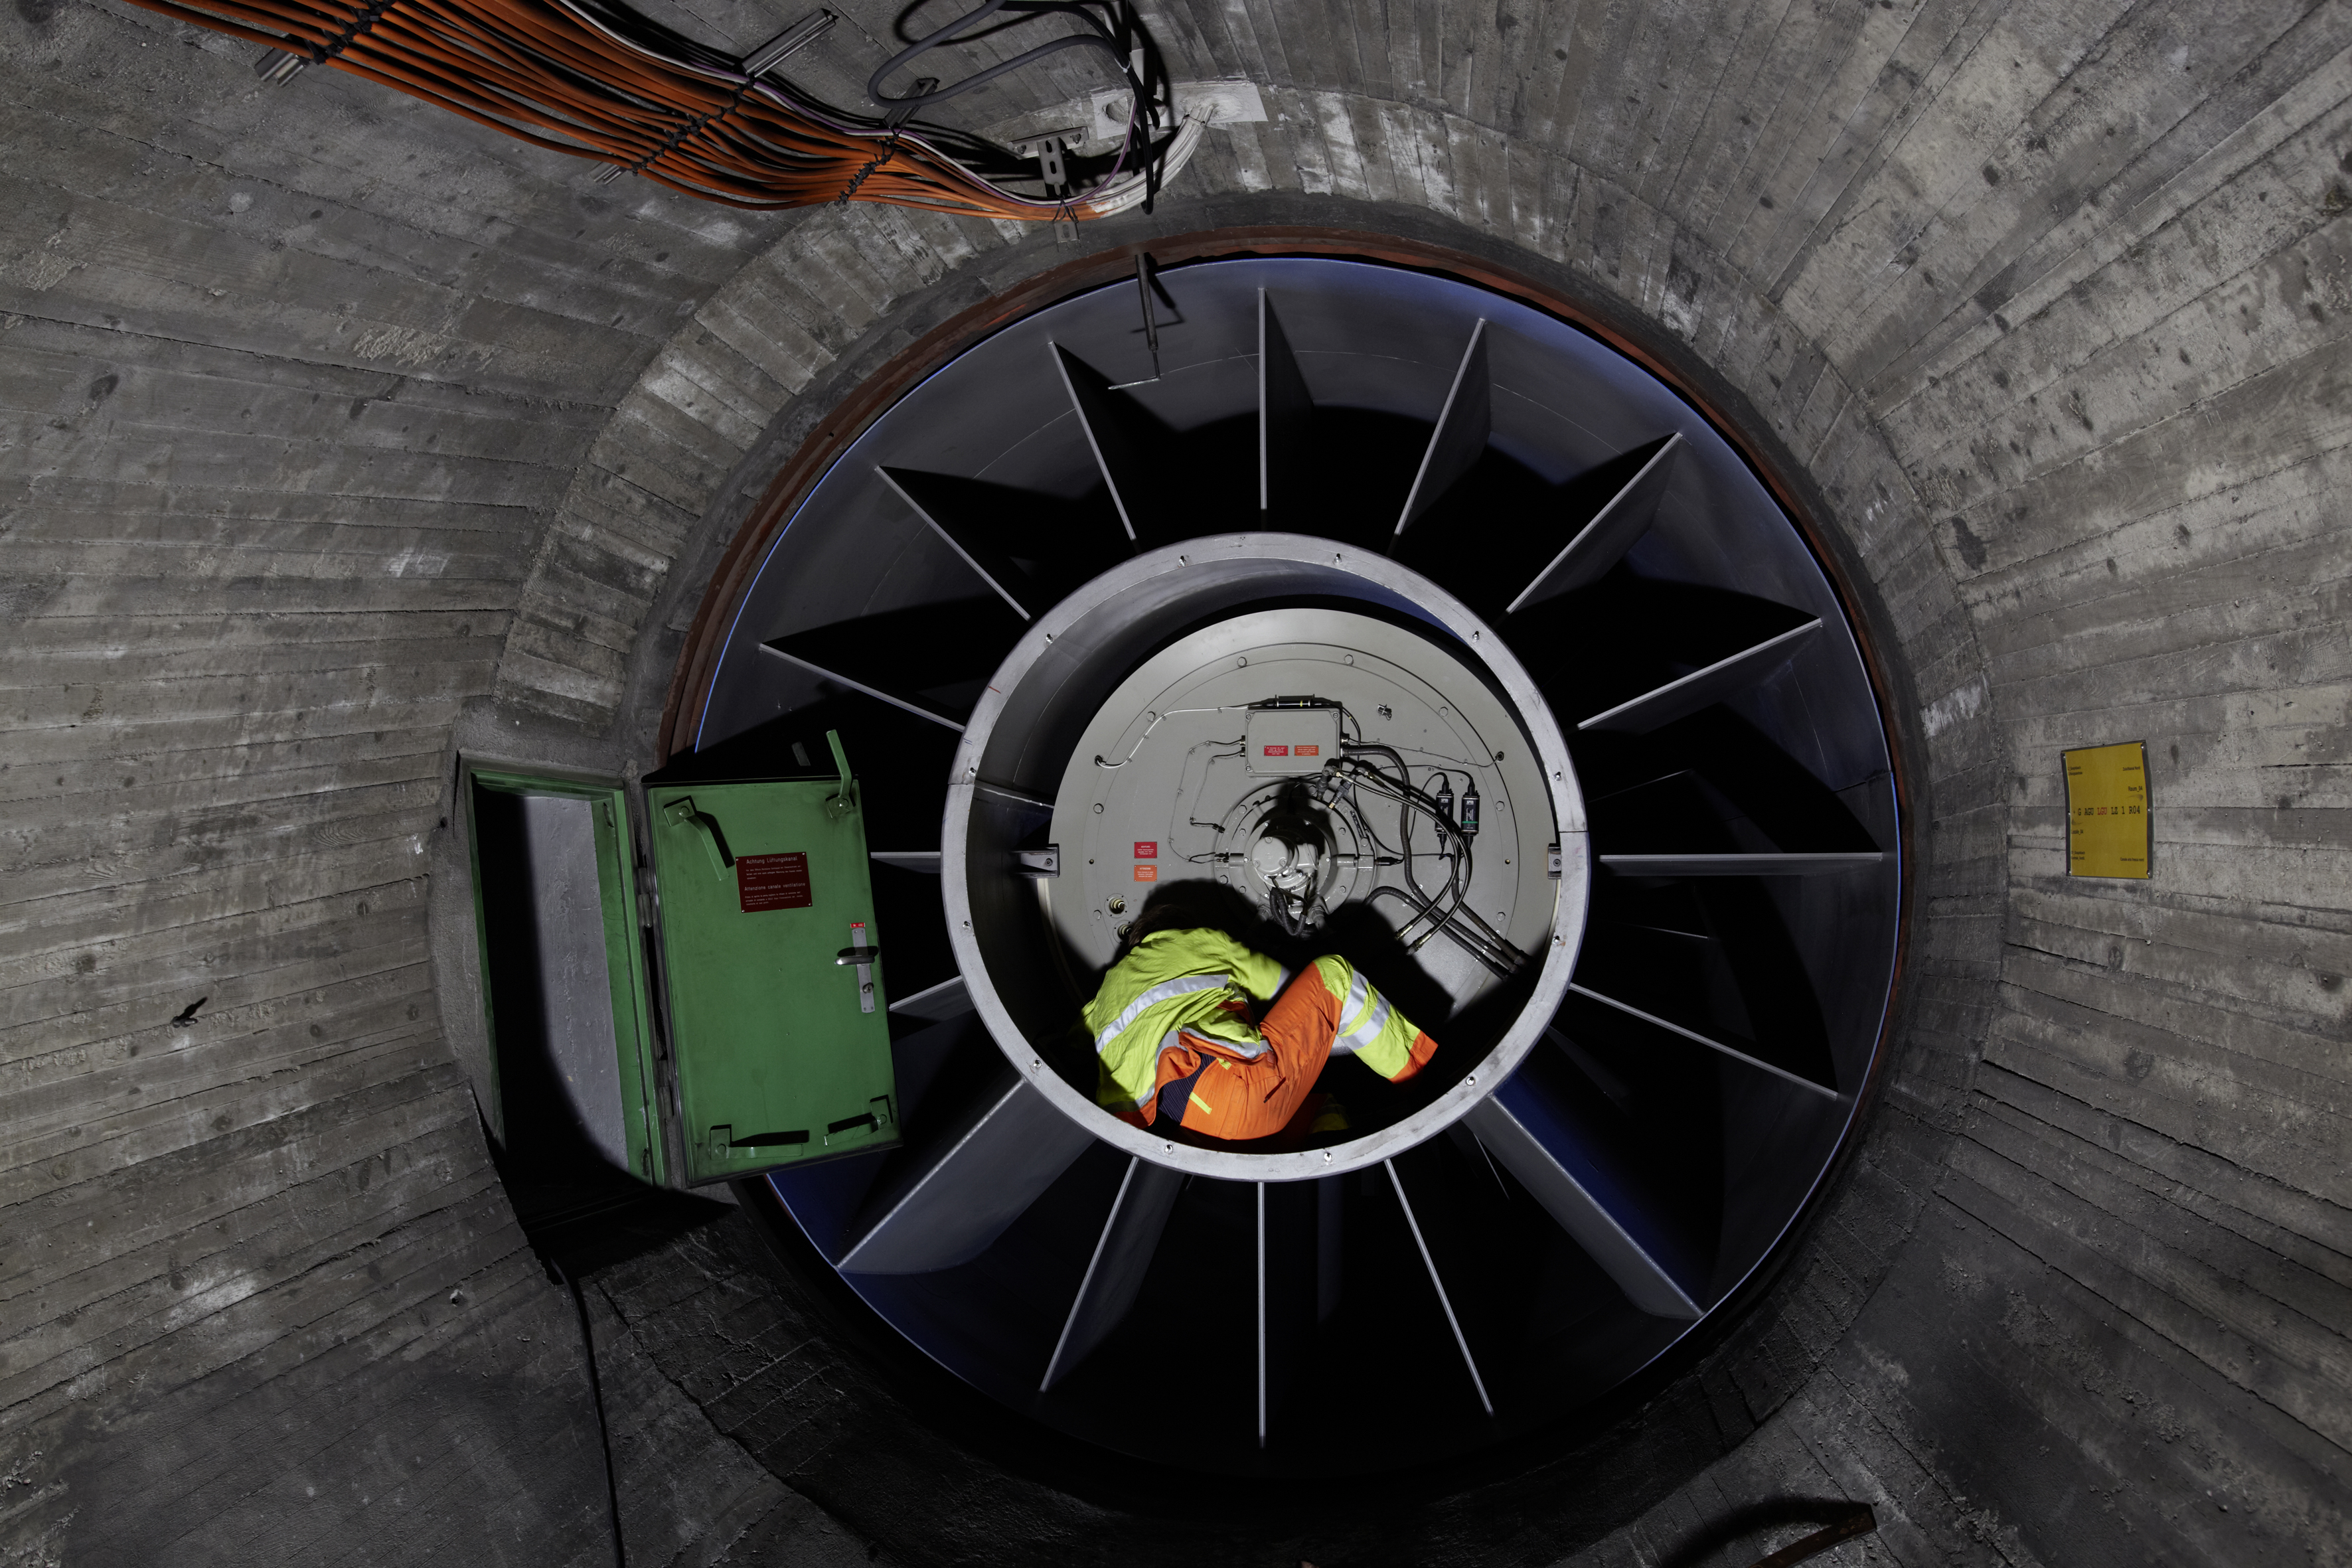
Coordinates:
column 761, row 60
column 321, row 53
column 897, row 121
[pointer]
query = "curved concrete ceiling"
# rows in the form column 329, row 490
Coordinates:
column 344, row 434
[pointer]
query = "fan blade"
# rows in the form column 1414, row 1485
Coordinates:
column 990, row 565
column 901, row 801
column 1704, row 688
column 1287, row 1289
column 931, row 660
column 1603, row 543
column 1018, row 813
column 1330, row 1235
column 967, row 1186
column 1122, row 1256
column 1462, row 430
column 1808, row 865
column 1596, row 1203
column 1775, row 791
column 903, row 699
column 948, row 999
column 1672, row 1028
column 1110, row 424
column 924, row 860
column 1461, row 1342
column 1690, row 781
column 1285, row 410
column 1613, row 1089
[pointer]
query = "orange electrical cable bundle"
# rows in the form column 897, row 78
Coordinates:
column 555, row 74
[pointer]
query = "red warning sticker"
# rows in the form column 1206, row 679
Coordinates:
column 1306, row 751
column 1147, row 849
column 1147, row 873
column 772, row 882
column 1277, row 751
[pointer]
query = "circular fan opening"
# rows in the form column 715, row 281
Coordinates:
column 1060, row 598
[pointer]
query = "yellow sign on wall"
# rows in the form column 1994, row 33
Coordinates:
column 2107, row 811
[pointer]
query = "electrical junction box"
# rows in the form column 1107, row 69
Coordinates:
column 748, row 929
column 1291, row 740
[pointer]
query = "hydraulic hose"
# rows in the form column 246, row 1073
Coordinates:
column 1481, row 940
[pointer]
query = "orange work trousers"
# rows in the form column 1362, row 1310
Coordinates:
column 1234, row 1100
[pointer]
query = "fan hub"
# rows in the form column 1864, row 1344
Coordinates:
column 1146, row 727
column 1209, row 782
column 1289, row 857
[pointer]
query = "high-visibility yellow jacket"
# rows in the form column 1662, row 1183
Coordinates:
column 1200, row 981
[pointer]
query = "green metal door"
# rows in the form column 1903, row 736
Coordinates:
column 781, row 1037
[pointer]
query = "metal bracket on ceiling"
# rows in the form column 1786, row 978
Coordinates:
column 788, row 43
column 279, row 67
column 1049, row 148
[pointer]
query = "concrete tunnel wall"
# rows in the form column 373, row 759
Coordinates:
column 343, row 434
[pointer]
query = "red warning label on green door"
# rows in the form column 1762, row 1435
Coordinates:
column 772, row 882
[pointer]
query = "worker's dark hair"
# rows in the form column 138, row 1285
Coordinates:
column 1168, row 917
column 1188, row 905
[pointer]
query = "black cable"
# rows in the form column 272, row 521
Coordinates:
column 1471, row 943
column 1098, row 38
column 1409, row 799
column 1497, row 948
column 596, row 1393
column 1404, row 774
column 1403, row 791
column 1459, row 887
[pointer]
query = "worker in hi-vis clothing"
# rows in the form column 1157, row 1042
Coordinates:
column 1172, row 1030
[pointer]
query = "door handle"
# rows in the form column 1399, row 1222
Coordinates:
column 680, row 813
column 860, row 956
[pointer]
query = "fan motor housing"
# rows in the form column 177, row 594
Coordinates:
column 1035, row 725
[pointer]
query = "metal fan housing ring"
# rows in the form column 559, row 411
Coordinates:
column 1015, row 740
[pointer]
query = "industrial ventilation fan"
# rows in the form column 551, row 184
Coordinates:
column 1369, row 611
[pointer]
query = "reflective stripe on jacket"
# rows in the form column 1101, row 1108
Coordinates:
column 1200, row 981
column 1370, row 1029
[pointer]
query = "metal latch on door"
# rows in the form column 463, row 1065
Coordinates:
column 841, row 805
column 858, row 954
column 682, row 812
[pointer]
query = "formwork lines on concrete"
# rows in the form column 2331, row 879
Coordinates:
column 2165, row 178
